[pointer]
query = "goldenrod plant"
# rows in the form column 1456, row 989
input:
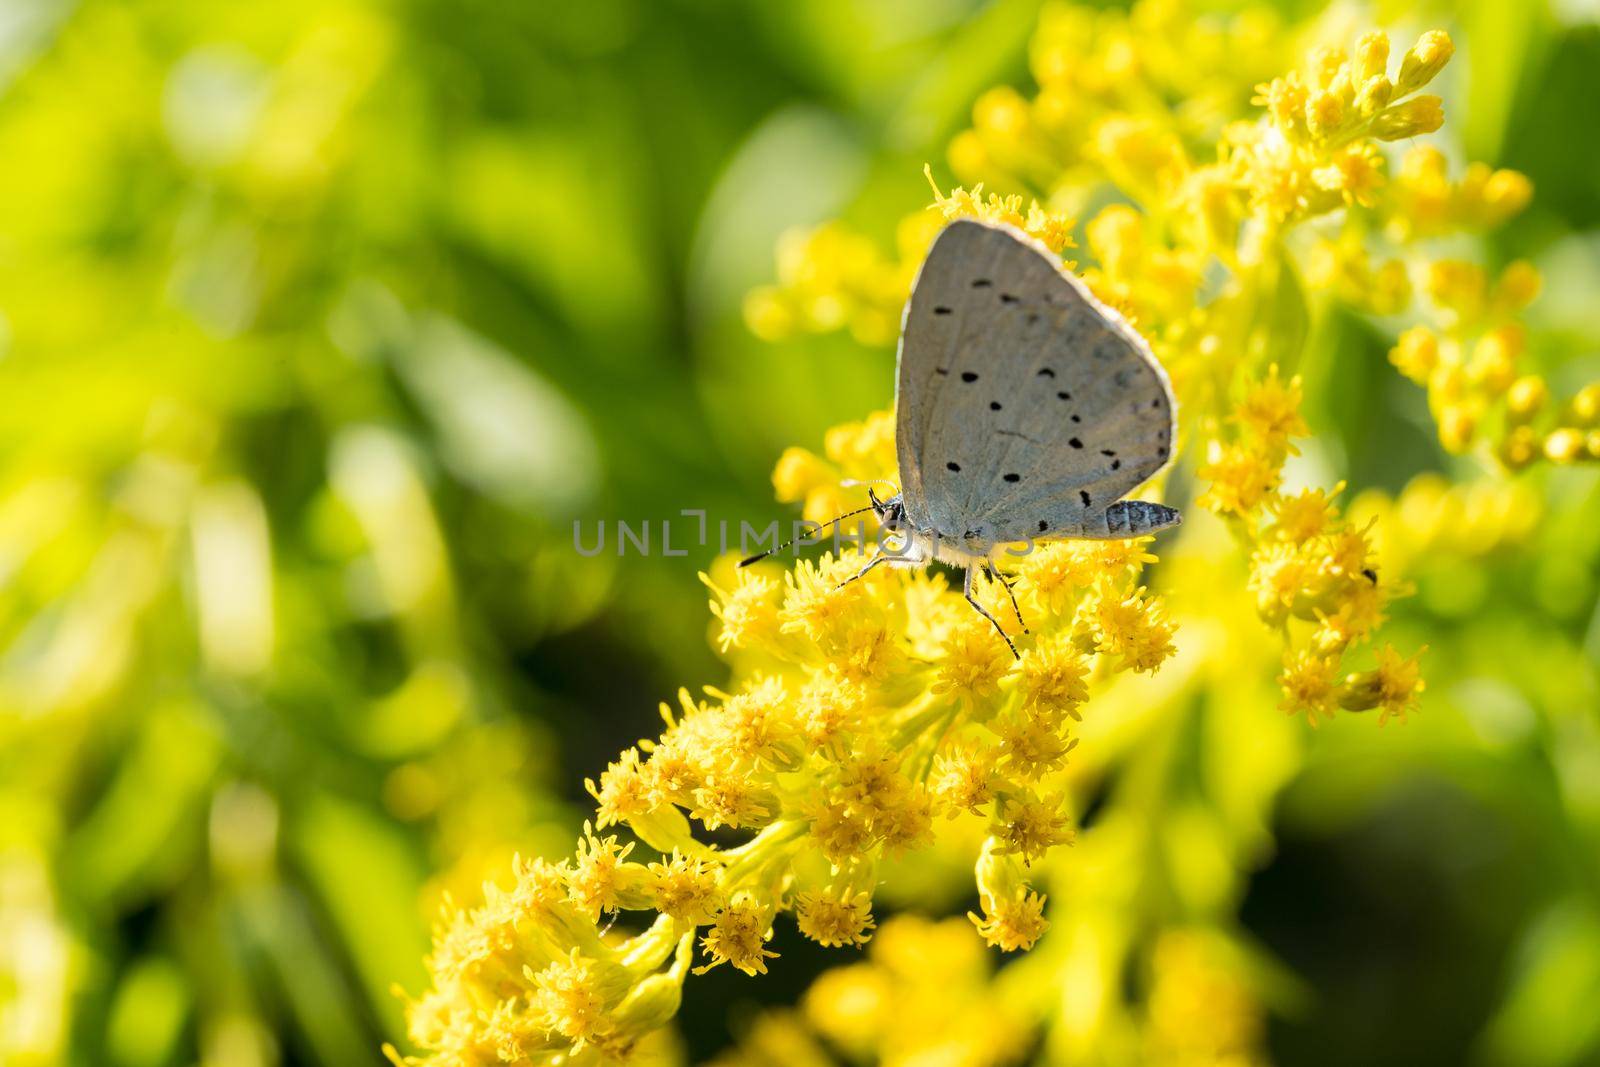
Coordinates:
column 875, row 720
column 335, row 335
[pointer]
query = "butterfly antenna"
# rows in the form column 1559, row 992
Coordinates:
column 822, row 526
column 870, row 482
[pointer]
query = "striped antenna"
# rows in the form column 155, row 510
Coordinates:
column 792, row 540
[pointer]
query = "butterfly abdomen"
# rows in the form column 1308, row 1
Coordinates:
column 1129, row 518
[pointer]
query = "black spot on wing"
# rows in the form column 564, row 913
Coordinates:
column 942, row 371
column 1007, row 298
column 968, row 376
column 981, row 283
column 1013, row 477
column 1074, row 442
column 1046, row 372
column 994, row 405
column 1083, row 495
column 941, row 310
column 1043, row 526
column 953, row 468
column 1063, row 396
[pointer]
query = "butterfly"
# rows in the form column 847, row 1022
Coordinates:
column 1025, row 411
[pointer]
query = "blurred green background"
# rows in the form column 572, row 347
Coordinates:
column 322, row 323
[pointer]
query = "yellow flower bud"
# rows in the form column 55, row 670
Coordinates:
column 1374, row 95
column 1001, row 112
column 1372, row 55
column 1506, row 192
column 1326, row 64
column 767, row 314
column 1456, row 426
column 1494, row 358
column 968, row 156
column 1391, row 288
column 797, row 472
column 1425, row 59
column 1416, row 354
column 1564, row 445
column 1518, row 286
column 1210, row 194
column 1458, row 285
column 1116, row 237
column 1054, row 108
column 1420, row 114
column 1586, row 405
column 1525, row 397
column 1448, row 382
column 1519, row 448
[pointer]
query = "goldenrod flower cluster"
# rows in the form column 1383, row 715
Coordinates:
column 1199, row 1011
column 923, row 995
column 832, row 277
column 1432, row 518
column 1312, row 575
column 1315, row 150
column 861, row 713
column 926, row 994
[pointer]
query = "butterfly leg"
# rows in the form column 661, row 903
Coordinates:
column 996, row 576
column 966, row 590
column 889, row 558
column 880, row 557
column 871, row 563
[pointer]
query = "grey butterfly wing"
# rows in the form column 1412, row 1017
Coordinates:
column 1025, row 407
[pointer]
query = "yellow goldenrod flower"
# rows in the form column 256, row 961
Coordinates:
column 1308, row 682
column 1013, row 915
column 739, row 935
column 685, row 888
column 964, row 778
column 1392, row 686
column 567, row 1000
column 842, row 917
column 1029, row 825
column 1240, row 480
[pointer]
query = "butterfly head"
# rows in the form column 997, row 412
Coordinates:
column 891, row 511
